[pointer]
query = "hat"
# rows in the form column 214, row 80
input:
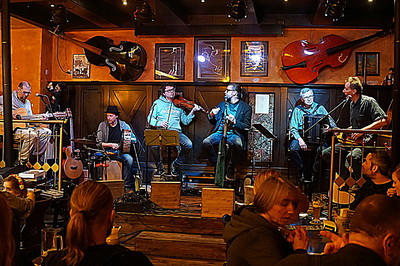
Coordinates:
column 112, row 109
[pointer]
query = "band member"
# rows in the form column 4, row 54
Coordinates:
column 238, row 115
column 163, row 113
column 365, row 113
column 109, row 137
column 298, row 144
column 34, row 139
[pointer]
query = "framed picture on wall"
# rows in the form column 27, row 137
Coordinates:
column 254, row 59
column 211, row 59
column 170, row 61
column 80, row 67
column 368, row 60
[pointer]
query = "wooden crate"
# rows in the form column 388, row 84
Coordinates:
column 166, row 194
column 113, row 171
column 216, row 202
column 116, row 187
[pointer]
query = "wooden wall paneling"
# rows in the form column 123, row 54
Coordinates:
column 92, row 110
column 131, row 102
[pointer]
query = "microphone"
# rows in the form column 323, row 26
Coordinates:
column 40, row 95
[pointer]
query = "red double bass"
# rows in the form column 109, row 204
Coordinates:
column 303, row 61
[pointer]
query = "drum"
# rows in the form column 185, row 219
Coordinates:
column 313, row 135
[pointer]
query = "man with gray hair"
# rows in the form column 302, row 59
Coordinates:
column 298, row 144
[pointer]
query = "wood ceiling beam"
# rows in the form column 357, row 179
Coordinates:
column 171, row 14
column 254, row 12
column 319, row 17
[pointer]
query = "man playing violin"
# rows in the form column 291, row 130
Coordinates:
column 109, row 135
column 365, row 113
column 34, row 139
column 238, row 115
column 164, row 114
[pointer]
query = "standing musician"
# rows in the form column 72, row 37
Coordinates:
column 109, row 136
column 298, row 144
column 164, row 114
column 238, row 113
column 34, row 139
column 365, row 113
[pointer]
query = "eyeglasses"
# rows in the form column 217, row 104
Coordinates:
column 170, row 90
column 308, row 97
column 26, row 92
column 229, row 90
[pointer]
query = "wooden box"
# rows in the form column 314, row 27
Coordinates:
column 113, row 171
column 166, row 194
column 216, row 202
column 116, row 187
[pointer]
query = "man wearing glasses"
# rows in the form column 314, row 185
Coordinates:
column 238, row 115
column 164, row 114
column 34, row 139
column 298, row 144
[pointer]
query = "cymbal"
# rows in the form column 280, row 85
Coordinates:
column 85, row 141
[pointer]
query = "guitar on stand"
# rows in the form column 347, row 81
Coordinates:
column 72, row 167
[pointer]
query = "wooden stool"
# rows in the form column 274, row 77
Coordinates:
column 166, row 194
column 216, row 202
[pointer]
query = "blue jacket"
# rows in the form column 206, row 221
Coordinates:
column 243, row 120
column 164, row 110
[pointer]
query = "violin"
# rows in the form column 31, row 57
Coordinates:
column 185, row 104
column 302, row 61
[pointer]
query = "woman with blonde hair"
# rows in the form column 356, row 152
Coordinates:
column 92, row 217
column 254, row 234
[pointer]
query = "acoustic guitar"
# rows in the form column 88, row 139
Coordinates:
column 72, row 167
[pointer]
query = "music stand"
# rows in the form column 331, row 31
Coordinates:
column 266, row 133
column 162, row 137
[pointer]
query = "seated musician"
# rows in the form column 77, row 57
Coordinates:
column 34, row 138
column 163, row 113
column 238, row 114
column 365, row 113
column 109, row 136
column 298, row 144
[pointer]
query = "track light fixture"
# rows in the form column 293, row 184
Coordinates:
column 143, row 12
column 237, row 9
column 58, row 15
column 335, row 9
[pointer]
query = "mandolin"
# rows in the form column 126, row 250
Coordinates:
column 72, row 167
column 303, row 61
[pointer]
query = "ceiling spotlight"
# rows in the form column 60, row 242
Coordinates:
column 335, row 9
column 143, row 12
column 237, row 9
column 58, row 15
column 125, row 2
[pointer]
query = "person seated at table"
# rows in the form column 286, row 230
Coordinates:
column 91, row 221
column 373, row 239
column 375, row 168
column 395, row 190
column 253, row 235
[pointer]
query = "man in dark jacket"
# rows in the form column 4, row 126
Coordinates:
column 373, row 238
column 237, row 114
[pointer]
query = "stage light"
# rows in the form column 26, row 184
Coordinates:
column 335, row 9
column 125, row 2
column 201, row 58
column 237, row 9
column 143, row 12
column 58, row 15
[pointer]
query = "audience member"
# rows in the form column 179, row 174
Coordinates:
column 395, row 190
column 253, row 235
column 92, row 217
column 374, row 238
column 376, row 169
column 7, row 247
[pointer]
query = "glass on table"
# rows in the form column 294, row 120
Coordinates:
column 318, row 202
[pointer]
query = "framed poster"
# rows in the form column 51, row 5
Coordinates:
column 369, row 60
column 254, row 59
column 80, row 67
column 212, row 56
column 170, row 61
